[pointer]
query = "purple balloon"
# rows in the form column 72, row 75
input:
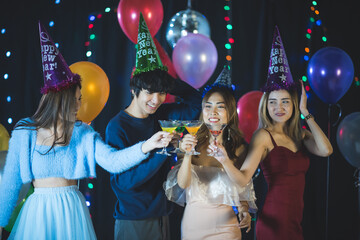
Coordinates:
column 194, row 58
column 330, row 73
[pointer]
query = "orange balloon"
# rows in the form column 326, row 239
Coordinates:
column 95, row 89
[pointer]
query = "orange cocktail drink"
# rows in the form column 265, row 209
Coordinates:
column 193, row 130
column 193, row 127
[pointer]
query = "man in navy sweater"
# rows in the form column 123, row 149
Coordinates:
column 142, row 209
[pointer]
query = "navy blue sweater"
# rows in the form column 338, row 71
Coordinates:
column 139, row 191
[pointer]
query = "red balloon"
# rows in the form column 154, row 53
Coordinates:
column 165, row 59
column 128, row 13
column 247, row 108
column 170, row 98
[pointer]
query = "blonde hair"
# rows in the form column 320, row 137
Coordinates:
column 292, row 126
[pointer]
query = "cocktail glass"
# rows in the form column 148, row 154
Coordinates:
column 193, row 127
column 179, row 129
column 215, row 130
column 166, row 126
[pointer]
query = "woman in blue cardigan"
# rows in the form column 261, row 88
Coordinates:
column 53, row 150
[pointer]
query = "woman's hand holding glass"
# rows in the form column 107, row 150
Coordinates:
column 215, row 130
column 193, row 126
column 217, row 151
column 188, row 143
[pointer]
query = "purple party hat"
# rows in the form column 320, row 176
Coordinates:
column 279, row 75
column 57, row 74
column 223, row 80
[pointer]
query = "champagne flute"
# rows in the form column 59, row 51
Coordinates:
column 215, row 130
column 192, row 127
column 166, row 126
column 179, row 129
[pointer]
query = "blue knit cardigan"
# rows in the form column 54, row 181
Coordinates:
column 86, row 148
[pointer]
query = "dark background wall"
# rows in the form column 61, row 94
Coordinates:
column 253, row 25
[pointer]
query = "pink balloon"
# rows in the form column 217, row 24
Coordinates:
column 128, row 13
column 247, row 108
column 195, row 58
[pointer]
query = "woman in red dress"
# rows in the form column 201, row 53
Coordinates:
column 280, row 146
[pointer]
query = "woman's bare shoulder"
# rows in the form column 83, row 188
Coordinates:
column 261, row 135
column 261, row 140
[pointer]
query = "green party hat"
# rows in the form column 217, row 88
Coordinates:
column 147, row 57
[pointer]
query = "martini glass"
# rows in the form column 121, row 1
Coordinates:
column 179, row 129
column 167, row 126
column 215, row 130
column 193, row 127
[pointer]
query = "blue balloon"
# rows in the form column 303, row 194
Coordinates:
column 330, row 73
column 348, row 138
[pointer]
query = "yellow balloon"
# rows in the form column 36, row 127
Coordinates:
column 95, row 89
column 4, row 138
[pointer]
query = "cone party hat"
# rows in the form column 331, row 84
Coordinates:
column 57, row 74
column 223, row 80
column 147, row 57
column 279, row 75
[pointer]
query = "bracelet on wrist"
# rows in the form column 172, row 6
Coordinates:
column 307, row 117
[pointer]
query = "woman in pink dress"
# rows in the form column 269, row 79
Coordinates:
column 203, row 184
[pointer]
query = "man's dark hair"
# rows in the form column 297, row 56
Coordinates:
column 153, row 81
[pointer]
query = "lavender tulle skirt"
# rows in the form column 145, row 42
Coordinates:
column 54, row 213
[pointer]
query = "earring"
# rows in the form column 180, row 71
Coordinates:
column 228, row 134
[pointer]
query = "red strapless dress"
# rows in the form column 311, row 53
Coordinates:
column 284, row 172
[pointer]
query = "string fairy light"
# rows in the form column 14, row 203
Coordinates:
column 5, row 74
column 316, row 22
column 229, row 27
column 313, row 23
column 93, row 20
